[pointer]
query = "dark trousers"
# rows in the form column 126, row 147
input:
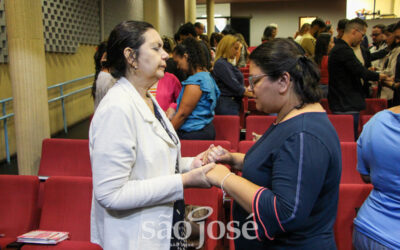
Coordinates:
column 206, row 133
column 227, row 106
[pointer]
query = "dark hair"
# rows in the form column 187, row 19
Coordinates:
column 328, row 28
column 321, row 47
column 187, row 29
column 177, row 38
column 125, row 34
column 304, row 27
column 355, row 23
column 390, row 28
column 215, row 37
column 267, row 35
column 98, row 65
column 380, row 26
column 397, row 25
column 318, row 22
column 342, row 23
column 283, row 55
column 192, row 48
column 168, row 44
column 228, row 30
column 197, row 25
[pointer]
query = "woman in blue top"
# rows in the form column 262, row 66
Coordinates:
column 199, row 94
column 290, row 184
column 377, row 225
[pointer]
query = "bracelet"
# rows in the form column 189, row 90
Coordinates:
column 223, row 180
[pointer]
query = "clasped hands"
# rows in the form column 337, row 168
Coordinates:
column 205, row 170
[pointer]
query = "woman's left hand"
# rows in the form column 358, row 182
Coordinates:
column 215, row 175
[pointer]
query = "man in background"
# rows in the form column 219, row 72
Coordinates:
column 309, row 39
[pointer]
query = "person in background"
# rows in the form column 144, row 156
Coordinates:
column 303, row 30
column 199, row 94
column 103, row 80
column 187, row 30
column 228, row 77
column 244, row 52
column 138, row 173
column 289, row 188
column 378, row 43
column 269, row 34
column 377, row 224
column 214, row 40
column 309, row 39
column 199, row 27
column 393, row 63
column 346, row 94
column 328, row 29
column 340, row 29
column 166, row 92
column 168, row 46
column 322, row 48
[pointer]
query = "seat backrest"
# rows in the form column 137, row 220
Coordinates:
column 195, row 147
column 244, row 146
column 373, row 106
column 18, row 204
column 344, row 126
column 211, row 198
column 65, row 157
column 227, row 127
column 351, row 197
column 350, row 174
column 258, row 124
column 324, row 103
column 66, row 206
column 363, row 120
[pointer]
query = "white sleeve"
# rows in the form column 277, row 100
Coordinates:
column 113, row 146
column 185, row 164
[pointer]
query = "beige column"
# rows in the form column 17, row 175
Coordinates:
column 28, row 78
column 210, row 17
column 151, row 13
column 190, row 11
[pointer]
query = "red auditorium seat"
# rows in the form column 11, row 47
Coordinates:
column 244, row 70
column 65, row 157
column 344, row 126
column 244, row 146
column 373, row 106
column 66, row 207
column 18, row 206
column 253, row 108
column 350, row 174
column 195, row 147
column 212, row 198
column 351, row 197
column 227, row 127
column 363, row 120
column 258, row 124
column 324, row 103
column 251, row 48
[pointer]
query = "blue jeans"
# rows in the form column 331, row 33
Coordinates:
column 361, row 242
column 227, row 105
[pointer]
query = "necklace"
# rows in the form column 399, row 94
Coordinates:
column 283, row 117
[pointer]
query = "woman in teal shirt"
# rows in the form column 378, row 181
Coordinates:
column 199, row 94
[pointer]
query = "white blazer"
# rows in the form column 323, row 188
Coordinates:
column 133, row 164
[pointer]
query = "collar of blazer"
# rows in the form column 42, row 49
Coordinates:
column 146, row 113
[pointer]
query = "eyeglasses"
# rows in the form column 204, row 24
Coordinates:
column 254, row 79
column 363, row 34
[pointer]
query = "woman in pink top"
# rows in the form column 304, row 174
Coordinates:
column 166, row 92
column 322, row 47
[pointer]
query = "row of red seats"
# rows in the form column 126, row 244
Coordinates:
column 66, row 157
column 66, row 207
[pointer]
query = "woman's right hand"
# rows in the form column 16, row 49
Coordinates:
column 197, row 177
column 218, row 154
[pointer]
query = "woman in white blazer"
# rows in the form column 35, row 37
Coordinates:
column 135, row 153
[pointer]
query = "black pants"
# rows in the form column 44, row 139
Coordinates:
column 206, row 133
